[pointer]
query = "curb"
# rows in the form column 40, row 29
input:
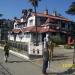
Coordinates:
column 22, row 56
column 19, row 55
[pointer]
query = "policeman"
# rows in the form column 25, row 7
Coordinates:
column 45, row 56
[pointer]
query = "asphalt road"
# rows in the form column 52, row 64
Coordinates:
column 17, row 66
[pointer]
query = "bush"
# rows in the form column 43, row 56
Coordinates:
column 57, row 39
column 67, row 46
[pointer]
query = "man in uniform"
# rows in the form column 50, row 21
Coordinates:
column 45, row 57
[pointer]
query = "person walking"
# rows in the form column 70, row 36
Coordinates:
column 45, row 57
column 6, row 50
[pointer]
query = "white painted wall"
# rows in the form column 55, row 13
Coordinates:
column 33, row 50
column 24, row 39
column 22, row 20
column 15, row 24
column 31, row 18
column 10, row 37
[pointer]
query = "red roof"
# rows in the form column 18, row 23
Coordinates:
column 53, row 17
column 33, row 29
column 39, row 29
column 16, row 30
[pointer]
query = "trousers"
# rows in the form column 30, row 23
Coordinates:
column 45, row 65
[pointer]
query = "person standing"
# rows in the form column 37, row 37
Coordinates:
column 6, row 50
column 45, row 57
column 51, row 49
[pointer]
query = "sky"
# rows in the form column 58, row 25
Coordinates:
column 13, row 8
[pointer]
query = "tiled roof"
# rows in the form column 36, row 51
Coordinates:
column 33, row 29
column 16, row 30
column 39, row 29
column 53, row 17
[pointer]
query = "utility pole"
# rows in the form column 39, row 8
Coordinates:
column 74, row 53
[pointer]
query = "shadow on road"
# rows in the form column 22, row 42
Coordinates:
column 17, row 61
column 70, row 71
column 60, row 57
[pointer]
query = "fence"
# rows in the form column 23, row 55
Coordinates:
column 17, row 45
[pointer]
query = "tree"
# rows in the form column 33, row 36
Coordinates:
column 71, row 9
column 1, row 15
column 35, row 4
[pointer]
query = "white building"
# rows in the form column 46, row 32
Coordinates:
column 25, row 30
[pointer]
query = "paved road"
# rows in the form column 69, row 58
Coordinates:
column 17, row 66
column 3, row 70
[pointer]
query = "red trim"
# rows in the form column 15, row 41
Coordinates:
column 70, row 40
column 16, row 30
column 39, row 29
column 51, row 16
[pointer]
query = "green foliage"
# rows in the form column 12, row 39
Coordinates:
column 71, row 9
column 34, row 2
column 1, row 15
column 57, row 39
column 67, row 46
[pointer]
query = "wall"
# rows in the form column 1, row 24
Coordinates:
column 31, row 18
column 34, row 50
column 10, row 37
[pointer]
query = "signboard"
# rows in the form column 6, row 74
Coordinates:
column 35, row 50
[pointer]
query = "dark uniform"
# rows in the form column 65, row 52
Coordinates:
column 45, row 58
column 6, row 50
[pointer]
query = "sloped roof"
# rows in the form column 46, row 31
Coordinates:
column 33, row 29
column 40, row 29
column 51, row 16
column 16, row 30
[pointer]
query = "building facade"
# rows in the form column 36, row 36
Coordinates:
column 47, row 25
column 5, row 26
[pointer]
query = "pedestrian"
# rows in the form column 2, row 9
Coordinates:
column 6, row 50
column 51, row 49
column 45, row 57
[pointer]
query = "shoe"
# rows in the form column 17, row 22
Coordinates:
column 45, row 73
column 6, row 61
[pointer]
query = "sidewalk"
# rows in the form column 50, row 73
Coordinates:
column 61, row 57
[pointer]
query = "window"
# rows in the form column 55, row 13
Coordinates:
column 37, row 51
column 27, row 35
column 33, row 50
column 31, row 21
column 63, row 25
column 16, row 26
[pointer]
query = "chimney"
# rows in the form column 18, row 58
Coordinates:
column 46, row 12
